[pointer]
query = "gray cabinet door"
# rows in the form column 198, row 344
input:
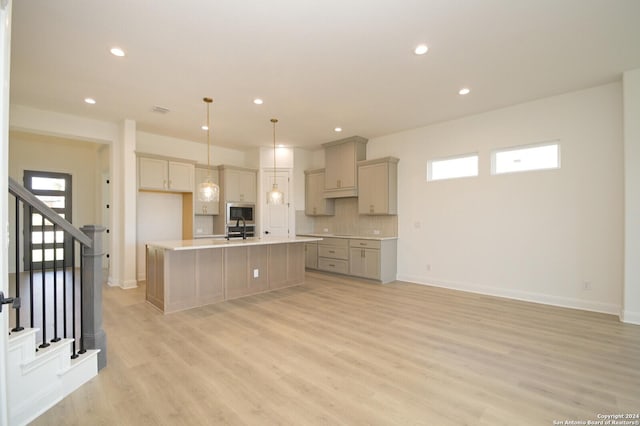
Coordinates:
column 364, row 263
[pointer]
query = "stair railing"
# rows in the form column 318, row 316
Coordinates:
column 63, row 301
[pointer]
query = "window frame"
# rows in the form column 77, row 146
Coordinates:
column 495, row 152
column 430, row 162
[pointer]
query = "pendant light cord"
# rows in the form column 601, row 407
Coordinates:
column 208, row 102
column 274, row 121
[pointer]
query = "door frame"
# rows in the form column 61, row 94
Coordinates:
column 5, row 61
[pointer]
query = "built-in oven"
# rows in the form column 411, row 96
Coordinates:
column 241, row 219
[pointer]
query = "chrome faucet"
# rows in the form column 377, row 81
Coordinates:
column 244, row 227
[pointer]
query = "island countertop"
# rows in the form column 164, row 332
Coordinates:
column 350, row 237
column 205, row 243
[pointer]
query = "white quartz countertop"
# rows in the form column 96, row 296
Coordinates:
column 204, row 243
column 351, row 237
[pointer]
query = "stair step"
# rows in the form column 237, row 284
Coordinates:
column 38, row 380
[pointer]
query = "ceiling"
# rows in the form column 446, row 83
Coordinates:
column 316, row 64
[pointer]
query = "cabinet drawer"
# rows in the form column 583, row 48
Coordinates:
column 333, row 252
column 335, row 242
column 375, row 244
column 333, row 265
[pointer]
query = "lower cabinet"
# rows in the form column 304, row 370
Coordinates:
column 333, row 255
column 364, row 263
column 364, row 258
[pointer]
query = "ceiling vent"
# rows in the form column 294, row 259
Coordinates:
column 159, row 109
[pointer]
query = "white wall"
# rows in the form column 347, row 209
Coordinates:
column 536, row 235
column 159, row 218
column 631, row 312
column 188, row 150
column 47, row 153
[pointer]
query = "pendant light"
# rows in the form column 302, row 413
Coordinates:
column 208, row 190
column 274, row 196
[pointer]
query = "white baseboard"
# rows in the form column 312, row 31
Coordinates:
column 129, row 284
column 546, row 299
column 630, row 317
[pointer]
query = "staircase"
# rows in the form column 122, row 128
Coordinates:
column 56, row 342
column 37, row 380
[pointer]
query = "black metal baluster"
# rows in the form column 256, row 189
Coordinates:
column 31, row 310
column 73, row 296
column 18, row 327
column 55, row 285
column 82, row 349
column 64, row 287
column 44, row 343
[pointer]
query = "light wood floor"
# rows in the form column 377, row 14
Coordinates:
column 340, row 351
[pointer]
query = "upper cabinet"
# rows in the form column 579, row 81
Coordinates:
column 238, row 184
column 314, row 202
column 378, row 192
column 205, row 207
column 161, row 174
column 341, row 158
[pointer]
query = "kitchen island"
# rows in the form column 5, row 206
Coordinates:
column 185, row 274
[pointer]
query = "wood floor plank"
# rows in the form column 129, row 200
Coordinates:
column 342, row 351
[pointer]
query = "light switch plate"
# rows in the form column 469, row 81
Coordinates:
column 256, row 273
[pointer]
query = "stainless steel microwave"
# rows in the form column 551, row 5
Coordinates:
column 245, row 211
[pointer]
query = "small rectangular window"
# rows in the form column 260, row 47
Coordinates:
column 453, row 167
column 525, row 158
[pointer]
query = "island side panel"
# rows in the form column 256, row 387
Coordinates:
column 295, row 263
column 236, row 274
column 258, row 260
column 277, row 266
column 239, row 266
column 209, row 276
column 286, row 265
column 180, row 279
column 155, row 277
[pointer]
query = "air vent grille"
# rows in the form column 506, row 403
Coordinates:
column 159, row 109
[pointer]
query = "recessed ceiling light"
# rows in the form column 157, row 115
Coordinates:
column 258, row 101
column 204, row 127
column 464, row 91
column 421, row 49
column 116, row 51
column 280, row 146
column 90, row 101
column 337, row 129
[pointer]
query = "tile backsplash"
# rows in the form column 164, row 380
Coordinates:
column 347, row 221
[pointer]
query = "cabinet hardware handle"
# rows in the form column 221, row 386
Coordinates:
column 362, row 253
column 331, row 251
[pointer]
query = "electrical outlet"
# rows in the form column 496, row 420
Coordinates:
column 376, row 232
column 325, row 229
column 417, row 224
column 256, row 273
